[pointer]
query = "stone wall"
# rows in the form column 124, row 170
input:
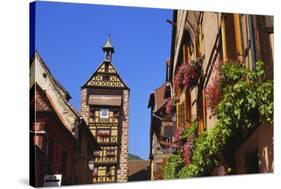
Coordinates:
column 84, row 109
column 122, row 172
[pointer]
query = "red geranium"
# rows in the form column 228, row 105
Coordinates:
column 213, row 90
column 169, row 106
column 186, row 151
column 188, row 74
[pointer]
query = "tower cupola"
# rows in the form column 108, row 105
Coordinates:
column 108, row 50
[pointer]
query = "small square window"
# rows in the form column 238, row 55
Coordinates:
column 105, row 77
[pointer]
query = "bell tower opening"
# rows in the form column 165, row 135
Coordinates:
column 108, row 50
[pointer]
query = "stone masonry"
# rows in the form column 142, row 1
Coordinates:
column 122, row 172
column 84, row 109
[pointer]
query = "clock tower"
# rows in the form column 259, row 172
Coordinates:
column 104, row 107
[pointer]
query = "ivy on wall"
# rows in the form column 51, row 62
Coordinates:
column 247, row 101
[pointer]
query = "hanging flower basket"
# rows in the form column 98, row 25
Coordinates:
column 194, row 73
column 188, row 74
column 179, row 77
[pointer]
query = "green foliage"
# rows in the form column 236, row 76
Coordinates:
column 133, row 157
column 265, row 99
column 172, row 165
column 247, row 102
column 187, row 133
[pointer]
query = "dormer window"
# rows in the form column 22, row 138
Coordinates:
column 108, row 56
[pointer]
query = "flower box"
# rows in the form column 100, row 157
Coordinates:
column 188, row 75
column 103, row 133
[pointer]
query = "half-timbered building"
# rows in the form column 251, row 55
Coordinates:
column 60, row 141
column 104, row 106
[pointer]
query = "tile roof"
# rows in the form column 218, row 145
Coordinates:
column 159, row 95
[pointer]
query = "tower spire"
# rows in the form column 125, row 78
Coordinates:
column 108, row 49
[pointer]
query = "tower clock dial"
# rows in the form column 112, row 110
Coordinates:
column 104, row 113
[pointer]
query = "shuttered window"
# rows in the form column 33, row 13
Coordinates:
column 187, row 107
column 186, row 56
column 230, row 37
column 180, row 115
column 202, row 114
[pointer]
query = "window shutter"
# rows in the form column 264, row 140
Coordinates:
column 238, row 36
column 185, row 58
column 230, row 37
column 202, row 114
column 187, row 107
column 181, row 115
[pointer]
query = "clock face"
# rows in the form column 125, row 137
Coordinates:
column 104, row 113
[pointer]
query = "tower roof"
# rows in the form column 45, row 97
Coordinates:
column 108, row 46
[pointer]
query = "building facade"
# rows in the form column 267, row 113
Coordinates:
column 162, row 127
column 60, row 141
column 208, row 39
column 104, row 107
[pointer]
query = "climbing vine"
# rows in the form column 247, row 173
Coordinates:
column 172, row 165
column 247, row 101
column 182, row 156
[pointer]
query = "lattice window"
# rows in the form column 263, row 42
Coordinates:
column 107, row 155
column 106, row 130
column 96, row 115
column 105, row 174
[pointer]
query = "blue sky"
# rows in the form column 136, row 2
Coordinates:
column 69, row 38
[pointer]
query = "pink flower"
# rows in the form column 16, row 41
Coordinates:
column 186, row 151
column 188, row 74
column 185, row 75
column 177, row 134
column 213, row 90
column 169, row 106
